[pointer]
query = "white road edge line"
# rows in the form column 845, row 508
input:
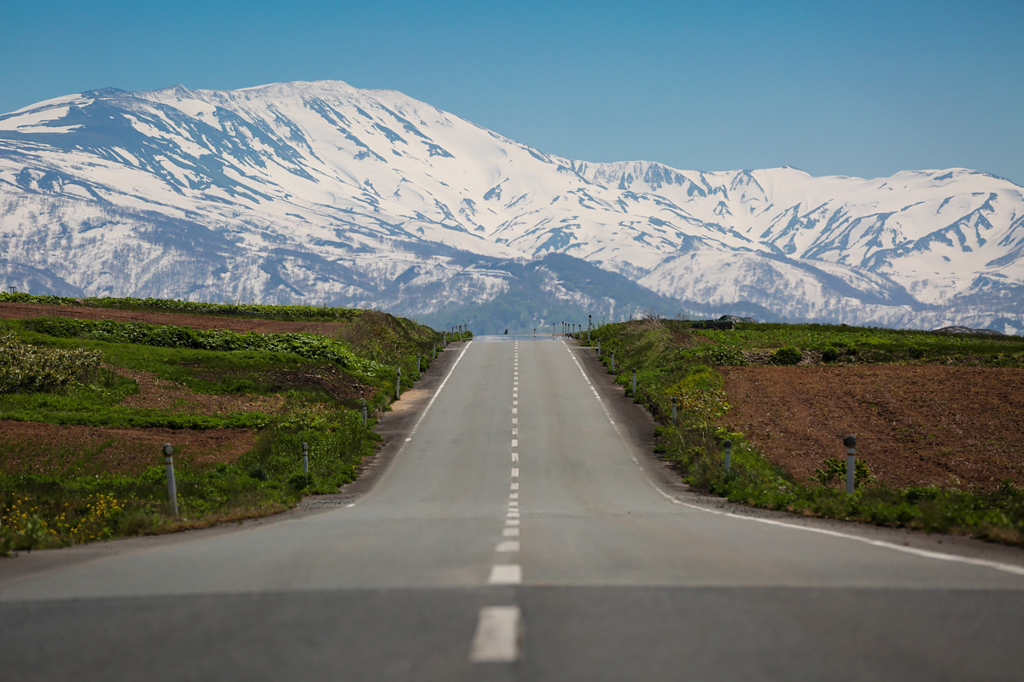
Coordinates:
column 440, row 388
column 497, row 635
column 925, row 553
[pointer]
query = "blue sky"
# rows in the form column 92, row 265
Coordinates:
column 851, row 88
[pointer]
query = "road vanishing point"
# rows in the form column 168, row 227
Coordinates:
column 518, row 528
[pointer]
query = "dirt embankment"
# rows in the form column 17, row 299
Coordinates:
column 914, row 425
column 27, row 311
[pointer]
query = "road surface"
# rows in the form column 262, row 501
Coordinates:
column 522, row 532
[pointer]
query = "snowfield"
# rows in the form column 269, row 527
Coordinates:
column 325, row 193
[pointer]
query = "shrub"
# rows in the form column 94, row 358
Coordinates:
column 27, row 368
column 724, row 356
column 830, row 355
column 787, row 355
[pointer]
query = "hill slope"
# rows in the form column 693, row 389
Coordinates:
column 324, row 193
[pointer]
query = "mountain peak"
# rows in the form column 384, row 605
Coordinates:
column 323, row 192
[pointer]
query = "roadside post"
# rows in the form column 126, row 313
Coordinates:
column 172, row 489
column 851, row 462
column 589, row 323
column 364, row 414
column 398, row 384
column 418, row 370
column 634, row 383
column 613, row 362
column 599, row 348
column 433, row 352
column 305, row 461
column 675, row 421
column 728, row 454
column 444, row 339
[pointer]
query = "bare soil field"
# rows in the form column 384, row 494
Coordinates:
column 27, row 311
column 36, row 448
column 915, row 425
column 155, row 393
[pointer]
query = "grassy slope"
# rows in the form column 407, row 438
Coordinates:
column 64, row 506
column 672, row 359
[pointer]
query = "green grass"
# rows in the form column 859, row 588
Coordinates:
column 81, row 503
column 673, row 360
column 871, row 345
column 272, row 312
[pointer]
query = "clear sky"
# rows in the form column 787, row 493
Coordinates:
column 850, row 87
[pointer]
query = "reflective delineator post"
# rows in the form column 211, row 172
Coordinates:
column 728, row 454
column 364, row 413
column 433, row 352
column 851, row 462
column 172, row 489
column 589, row 323
column 613, row 362
column 634, row 382
column 599, row 348
column 418, row 370
column 398, row 384
column 674, row 419
column 305, row 461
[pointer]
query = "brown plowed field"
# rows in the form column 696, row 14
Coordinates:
column 26, row 311
column 35, row 448
column 914, row 425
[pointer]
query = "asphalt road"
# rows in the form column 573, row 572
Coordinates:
column 521, row 531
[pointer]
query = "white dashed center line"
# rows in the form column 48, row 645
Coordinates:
column 497, row 635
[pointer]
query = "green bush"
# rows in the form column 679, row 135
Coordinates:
column 309, row 346
column 787, row 355
column 25, row 368
column 830, row 355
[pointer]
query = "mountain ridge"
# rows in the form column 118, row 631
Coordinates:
column 325, row 193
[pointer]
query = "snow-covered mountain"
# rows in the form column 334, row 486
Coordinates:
column 325, row 193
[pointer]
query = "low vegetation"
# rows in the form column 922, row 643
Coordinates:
column 238, row 309
column 87, row 404
column 674, row 361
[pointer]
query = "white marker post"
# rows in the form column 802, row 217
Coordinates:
column 851, row 462
column 613, row 362
column 675, row 420
column 634, row 383
column 364, row 413
column 398, row 384
column 728, row 455
column 418, row 370
column 305, row 461
column 172, row 489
